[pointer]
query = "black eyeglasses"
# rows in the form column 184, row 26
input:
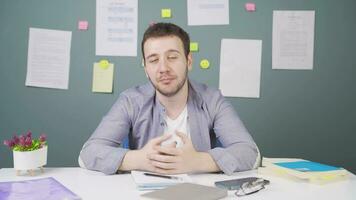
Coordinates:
column 251, row 187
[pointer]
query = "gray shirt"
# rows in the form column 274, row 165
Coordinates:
column 139, row 115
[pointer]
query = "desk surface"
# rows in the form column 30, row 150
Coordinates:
column 94, row 185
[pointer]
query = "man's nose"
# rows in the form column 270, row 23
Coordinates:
column 163, row 66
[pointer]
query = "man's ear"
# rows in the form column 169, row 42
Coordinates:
column 144, row 67
column 190, row 61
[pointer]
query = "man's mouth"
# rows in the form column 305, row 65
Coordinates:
column 166, row 80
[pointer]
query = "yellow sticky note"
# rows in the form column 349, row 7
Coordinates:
column 204, row 64
column 194, row 46
column 166, row 13
column 103, row 76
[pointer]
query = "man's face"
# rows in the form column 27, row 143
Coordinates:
column 166, row 64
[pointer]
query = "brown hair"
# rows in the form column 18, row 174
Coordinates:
column 166, row 29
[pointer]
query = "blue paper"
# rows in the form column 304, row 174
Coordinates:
column 307, row 166
column 38, row 189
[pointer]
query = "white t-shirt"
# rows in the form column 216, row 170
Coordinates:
column 179, row 124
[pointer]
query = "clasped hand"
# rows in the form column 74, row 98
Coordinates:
column 168, row 159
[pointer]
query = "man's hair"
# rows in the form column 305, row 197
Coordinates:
column 166, row 29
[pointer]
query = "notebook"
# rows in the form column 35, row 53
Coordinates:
column 189, row 191
column 145, row 182
column 39, row 189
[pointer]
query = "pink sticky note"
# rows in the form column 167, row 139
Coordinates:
column 83, row 25
column 250, row 7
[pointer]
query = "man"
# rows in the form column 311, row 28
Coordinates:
column 172, row 122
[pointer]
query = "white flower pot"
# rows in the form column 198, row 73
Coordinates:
column 29, row 160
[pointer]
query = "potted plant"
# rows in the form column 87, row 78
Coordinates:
column 28, row 153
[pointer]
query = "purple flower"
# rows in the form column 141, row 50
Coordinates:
column 28, row 142
column 43, row 137
column 25, row 142
column 16, row 139
column 22, row 140
column 9, row 143
column 29, row 134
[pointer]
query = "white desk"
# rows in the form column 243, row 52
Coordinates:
column 94, row 185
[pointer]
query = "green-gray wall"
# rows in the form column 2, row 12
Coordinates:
column 305, row 114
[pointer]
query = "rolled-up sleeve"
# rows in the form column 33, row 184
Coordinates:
column 102, row 152
column 238, row 152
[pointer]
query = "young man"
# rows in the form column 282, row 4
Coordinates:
column 172, row 122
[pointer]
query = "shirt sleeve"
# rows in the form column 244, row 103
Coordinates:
column 103, row 151
column 238, row 152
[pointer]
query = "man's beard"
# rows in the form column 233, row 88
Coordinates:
column 173, row 92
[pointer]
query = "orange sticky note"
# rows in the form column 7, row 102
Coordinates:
column 250, row 7
column 83, row 25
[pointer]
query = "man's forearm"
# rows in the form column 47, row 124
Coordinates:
column 205, row 163
column 131, row 161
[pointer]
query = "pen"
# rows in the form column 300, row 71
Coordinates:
column 162, row 176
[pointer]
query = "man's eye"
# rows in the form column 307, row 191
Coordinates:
column 153, row 61
column 172, row 57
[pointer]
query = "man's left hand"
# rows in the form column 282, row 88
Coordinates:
column 172, row 160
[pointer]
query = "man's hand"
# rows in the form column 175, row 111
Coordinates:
column 185, row 159
column 138, row 159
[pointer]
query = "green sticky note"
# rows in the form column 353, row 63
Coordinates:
column 204, row 64
column 194, row 46
column 103, row 77
column 166, row 13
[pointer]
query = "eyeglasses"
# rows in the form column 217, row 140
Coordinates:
column 251, row 187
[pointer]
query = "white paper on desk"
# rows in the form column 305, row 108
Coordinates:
column 293, row 40
column 145, row 182
column 208, row 12
column 116, row 27
column 48, row 58
column 240, row 68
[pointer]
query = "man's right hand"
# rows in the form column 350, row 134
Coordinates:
column 138, row 159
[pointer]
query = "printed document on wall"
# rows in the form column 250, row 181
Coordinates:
column 240, row 68
column 293, row 40
column 48, row 58
column 116, row 27
column 208, row 12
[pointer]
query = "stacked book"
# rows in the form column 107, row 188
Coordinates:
column 300, row 169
